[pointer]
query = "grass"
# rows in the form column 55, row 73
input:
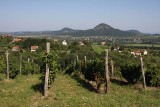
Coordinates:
column 17, row 92
column 97, row 49
column 144, row 45
column 72, row 92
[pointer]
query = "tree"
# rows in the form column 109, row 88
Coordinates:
column 27, row 43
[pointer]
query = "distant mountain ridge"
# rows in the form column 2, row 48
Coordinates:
column 66, row 29
column 102, row 26
column 134, row 31
column 100, row 30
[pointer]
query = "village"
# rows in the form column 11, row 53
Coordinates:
column 34, row 47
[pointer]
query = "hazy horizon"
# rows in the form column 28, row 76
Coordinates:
column 42, row 15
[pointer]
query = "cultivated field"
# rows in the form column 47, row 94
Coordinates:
column 143, row 45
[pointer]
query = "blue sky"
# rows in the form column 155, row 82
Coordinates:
column 37, row 15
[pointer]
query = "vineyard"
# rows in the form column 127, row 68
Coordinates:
column 75, row 75
column 66, row 91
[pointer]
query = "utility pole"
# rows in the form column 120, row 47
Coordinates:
column 20, row 65
column 7, row 65
column 47, row 72
column 142, row 68
column 107, row 71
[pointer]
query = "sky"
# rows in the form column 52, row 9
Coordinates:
column 40, row 15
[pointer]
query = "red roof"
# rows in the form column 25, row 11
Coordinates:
column 34, row 47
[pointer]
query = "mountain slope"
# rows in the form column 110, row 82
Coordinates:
column 65, row 30
column 99, row 30
column 102, row 26
column 134, row 31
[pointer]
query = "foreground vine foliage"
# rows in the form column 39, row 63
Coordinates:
column 51, row 59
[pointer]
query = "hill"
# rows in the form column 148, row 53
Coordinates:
column 99, row 30
column 64, row 31
column 134, row 31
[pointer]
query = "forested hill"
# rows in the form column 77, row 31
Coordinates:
column 103, row 30
column 99, row 30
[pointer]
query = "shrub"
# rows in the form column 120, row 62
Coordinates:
column 51, row 59
column 131, row 72
column 13, row 66
column 2, row 65
column 69, row 69
column 73, row 69
column 94, row 71
column 152, row 75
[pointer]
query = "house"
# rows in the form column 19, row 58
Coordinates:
column 17, row 39
column 6, row 35
column 81, row 43
column 55, row 40
column 103, row 43
column 34, row 48
column 139, row 52
column 145, row 52
column 16, row 48
column 116, row 48
column 64, row 43
column 132, row 53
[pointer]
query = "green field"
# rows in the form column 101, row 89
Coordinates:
column 143, row 45
column 66, row 91
column 99, row 49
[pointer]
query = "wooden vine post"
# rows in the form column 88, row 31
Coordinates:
column 112, row 66
column 107, row 71
column 74, row 64
column 77, row 58
column 20, row 65
column 46, row 72
column 142, row 69
column 85, row 59
column 7, row 71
